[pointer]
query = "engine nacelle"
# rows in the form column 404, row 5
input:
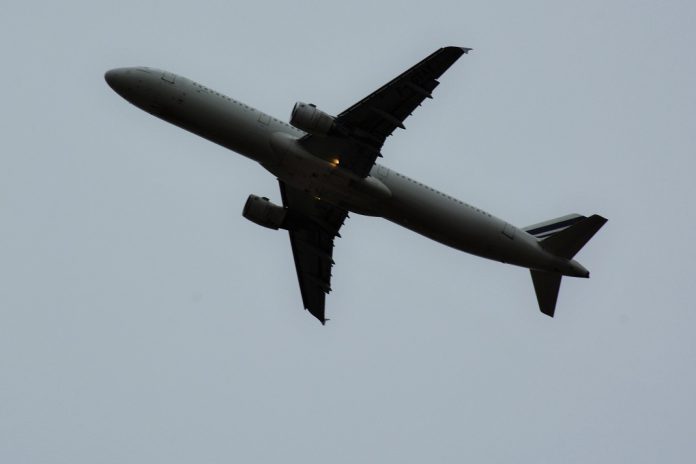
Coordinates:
column 261, row 211
column 306, row 117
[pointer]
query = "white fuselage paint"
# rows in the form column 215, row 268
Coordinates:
column 384, row 193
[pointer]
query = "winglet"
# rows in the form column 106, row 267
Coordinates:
column 462, row 49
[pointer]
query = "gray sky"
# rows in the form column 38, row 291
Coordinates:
column 143, row 320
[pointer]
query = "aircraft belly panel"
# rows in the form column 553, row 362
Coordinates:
column 438, row 216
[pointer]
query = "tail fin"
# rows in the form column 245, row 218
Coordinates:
column 546, row 286
column 553, row 226
column 564, row 243
column 569, row 241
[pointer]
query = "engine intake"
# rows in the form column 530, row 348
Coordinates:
column 306, row 117
column 261, row 211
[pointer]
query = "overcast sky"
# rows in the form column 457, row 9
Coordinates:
column 143, row 320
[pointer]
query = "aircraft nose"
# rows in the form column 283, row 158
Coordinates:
column 116, row 78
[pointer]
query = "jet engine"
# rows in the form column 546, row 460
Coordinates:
column 306, row 117
column 262, row 211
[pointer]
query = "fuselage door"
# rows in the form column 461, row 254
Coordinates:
column 509, row 231
column 264, row 119
column 168, row 77
column 381, row 172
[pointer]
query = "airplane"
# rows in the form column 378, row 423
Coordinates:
column 326, row 167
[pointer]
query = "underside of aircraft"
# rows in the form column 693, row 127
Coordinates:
column 327, row 167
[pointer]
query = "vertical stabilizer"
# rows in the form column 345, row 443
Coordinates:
column 569, row 241
column 546, row 286
column 576, row 232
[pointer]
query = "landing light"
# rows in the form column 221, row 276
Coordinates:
column 335, row 162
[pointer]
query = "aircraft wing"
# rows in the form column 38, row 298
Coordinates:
column 313, row 224
column 363, row 128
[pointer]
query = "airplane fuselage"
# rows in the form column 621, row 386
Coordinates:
column 384, row 192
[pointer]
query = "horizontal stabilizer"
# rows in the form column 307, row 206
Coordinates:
column 546, row 286
column 569, row 241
